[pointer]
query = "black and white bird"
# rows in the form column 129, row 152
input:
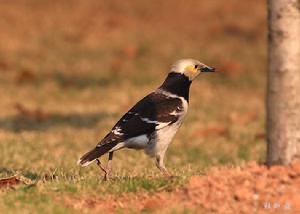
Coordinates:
column 153, row 121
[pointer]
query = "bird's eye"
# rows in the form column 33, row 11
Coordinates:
column 196, row 66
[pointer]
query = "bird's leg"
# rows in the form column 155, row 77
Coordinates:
column 161, row 166
column 101, row 167
column 109, row 166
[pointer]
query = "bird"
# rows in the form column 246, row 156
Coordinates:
column 153, row 121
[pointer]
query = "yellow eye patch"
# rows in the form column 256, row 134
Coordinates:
column 191, row 72
column 191, row 69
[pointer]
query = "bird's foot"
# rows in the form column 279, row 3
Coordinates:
column 103, row 169
column 107, row 175
column 166, row 173
column 169, row 176
column 107, row 170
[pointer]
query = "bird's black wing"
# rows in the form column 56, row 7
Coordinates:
column 153, row 112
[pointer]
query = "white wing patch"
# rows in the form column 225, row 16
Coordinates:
column 117, row 131
column 159, row 125
column 148, row 121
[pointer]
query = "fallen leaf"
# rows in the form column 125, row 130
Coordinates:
column 243, row 119
column 116, row 64
column 26, row 75
column 260, row 136
column 11, row 181
column 35, row 114
column 4, row 66
column 130, row 51
column 212, row 130
column 14, row 180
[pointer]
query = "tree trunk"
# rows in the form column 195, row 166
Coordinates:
column 283, row 88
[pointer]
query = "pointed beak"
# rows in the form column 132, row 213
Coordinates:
column 207, row 69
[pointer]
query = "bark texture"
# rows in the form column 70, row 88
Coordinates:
column 283, row 88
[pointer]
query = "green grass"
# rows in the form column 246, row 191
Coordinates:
column 29, row 200
column 86, row 72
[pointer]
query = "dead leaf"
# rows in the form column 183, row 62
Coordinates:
column 11, row 181
column 36, row 114
column 130, row 51
column 14, row 180
column 26, row 75
column 212, row 130
column 260, row 136
column 242, row 119
column 116, row 64
column 4, row 66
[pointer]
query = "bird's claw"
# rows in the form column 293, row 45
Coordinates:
column 168, row 174
column 106, row 171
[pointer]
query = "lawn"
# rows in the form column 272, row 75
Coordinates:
column 70, row 69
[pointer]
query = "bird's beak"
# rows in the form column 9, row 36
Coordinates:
column 207, row 69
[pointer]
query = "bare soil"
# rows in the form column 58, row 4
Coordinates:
column 251, row 188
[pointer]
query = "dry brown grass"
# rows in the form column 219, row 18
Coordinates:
column 69, row 69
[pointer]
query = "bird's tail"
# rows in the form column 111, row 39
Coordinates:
column 95, row 153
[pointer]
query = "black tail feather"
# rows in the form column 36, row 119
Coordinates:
column 92, row 155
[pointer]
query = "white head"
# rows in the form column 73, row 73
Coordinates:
column 191, row 68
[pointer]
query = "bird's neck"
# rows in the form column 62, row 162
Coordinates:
column 178, row 84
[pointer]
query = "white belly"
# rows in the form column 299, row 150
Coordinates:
column 160, row 142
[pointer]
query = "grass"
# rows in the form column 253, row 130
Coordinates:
column 86, row 72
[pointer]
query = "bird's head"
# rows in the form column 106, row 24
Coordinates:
column 191, row 68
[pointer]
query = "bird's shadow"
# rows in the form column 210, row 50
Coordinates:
column 18, row 122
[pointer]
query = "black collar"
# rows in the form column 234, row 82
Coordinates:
column 178, row 84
